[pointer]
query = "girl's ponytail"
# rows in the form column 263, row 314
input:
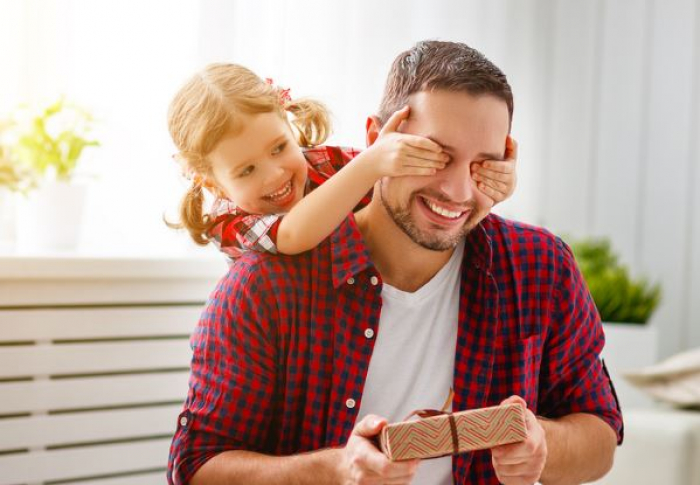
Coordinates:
column 192, row 216
column 311, row 120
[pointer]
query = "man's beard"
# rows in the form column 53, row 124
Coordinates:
column 425, row 238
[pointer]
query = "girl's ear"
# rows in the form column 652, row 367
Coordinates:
column 372, row 127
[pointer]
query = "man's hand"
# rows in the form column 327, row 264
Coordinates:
column 364, row 464
column 521, row 463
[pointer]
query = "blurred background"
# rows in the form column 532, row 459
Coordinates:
column 607, row 111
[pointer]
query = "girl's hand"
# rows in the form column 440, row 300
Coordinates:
column 497, row 178
column 396, row 154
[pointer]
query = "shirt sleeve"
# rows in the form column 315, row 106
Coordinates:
column 236, row 233
column 233, row 371
column 573, row 376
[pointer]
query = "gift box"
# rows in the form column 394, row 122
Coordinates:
column 451, row 433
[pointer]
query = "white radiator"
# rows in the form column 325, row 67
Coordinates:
column 94, row 361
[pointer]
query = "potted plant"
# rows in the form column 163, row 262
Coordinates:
column 619, row 297
column 48, row 145
column 625, row 305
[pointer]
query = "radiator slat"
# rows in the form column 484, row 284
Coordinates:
column 74, row 463
column 93, row 392
column 92, row 358
column 86, row 427
column 91, row 323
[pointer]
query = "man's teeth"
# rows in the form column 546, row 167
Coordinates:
column 442, row 211
column 283, row 192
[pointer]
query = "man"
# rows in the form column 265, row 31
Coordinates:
column 300, row 361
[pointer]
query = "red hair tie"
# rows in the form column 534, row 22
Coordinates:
column 283, row 94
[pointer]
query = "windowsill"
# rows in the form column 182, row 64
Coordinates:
column 86, row 267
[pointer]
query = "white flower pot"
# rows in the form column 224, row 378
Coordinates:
column 50, row 218
column 8, row 224
column 629, row 347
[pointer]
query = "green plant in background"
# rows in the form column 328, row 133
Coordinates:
column 619, row 297
column 54, row 140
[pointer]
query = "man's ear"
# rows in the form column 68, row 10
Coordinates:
column 372, row 127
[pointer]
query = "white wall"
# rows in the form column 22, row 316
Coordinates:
column 622, row 157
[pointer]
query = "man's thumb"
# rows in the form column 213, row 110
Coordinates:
column 392, row 124
column 369, row 426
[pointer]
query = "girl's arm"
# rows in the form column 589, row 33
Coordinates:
column 317, row 215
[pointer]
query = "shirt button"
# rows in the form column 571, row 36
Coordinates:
column 374, row 280
column 350, row 403
column 369, row 333
column 351, row 281
column 183, row 421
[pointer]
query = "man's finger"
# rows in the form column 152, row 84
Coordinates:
column 515, row 400
column 376, row 463
column 369, row 426
column 392, row 124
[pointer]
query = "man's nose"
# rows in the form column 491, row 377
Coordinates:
column 456, row 181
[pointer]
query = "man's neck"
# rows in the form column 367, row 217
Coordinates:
column 401, row 262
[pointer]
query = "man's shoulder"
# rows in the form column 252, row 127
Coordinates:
column 518, row 241
column 517, row 232
column 259, row 270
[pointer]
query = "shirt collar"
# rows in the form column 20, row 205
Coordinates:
column 478, row 245
column 348, row 251
column 350, row 255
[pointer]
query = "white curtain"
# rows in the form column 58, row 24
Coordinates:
column 124, row 60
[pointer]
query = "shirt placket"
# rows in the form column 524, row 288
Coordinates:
column 356, row 324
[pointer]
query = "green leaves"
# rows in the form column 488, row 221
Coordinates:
column 619, row 297
column 55, row 139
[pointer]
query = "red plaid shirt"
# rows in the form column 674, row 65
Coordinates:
column 237, row 231
column 281, row 350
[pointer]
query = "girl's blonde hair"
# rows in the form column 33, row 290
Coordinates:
column 215, row 102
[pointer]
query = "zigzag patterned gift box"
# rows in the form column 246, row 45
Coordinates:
column 447, row 434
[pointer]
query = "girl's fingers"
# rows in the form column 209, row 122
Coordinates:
column 392, row 124
column 422, row 161
column 414, row 170
column 494, row 184
column 419, row 153
column 491, row 174
column 511, row 148
column 422, row 142
column 493, row 194
column 498, row 166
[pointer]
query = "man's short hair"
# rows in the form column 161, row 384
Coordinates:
column 449, row 66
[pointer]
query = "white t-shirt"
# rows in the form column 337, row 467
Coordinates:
column 412, row 364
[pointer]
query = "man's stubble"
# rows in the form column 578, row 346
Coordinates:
column 402, row 217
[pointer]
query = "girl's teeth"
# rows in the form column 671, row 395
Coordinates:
column 441, row 211
column 282, row 192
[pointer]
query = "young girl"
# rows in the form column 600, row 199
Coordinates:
column 276, row 188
